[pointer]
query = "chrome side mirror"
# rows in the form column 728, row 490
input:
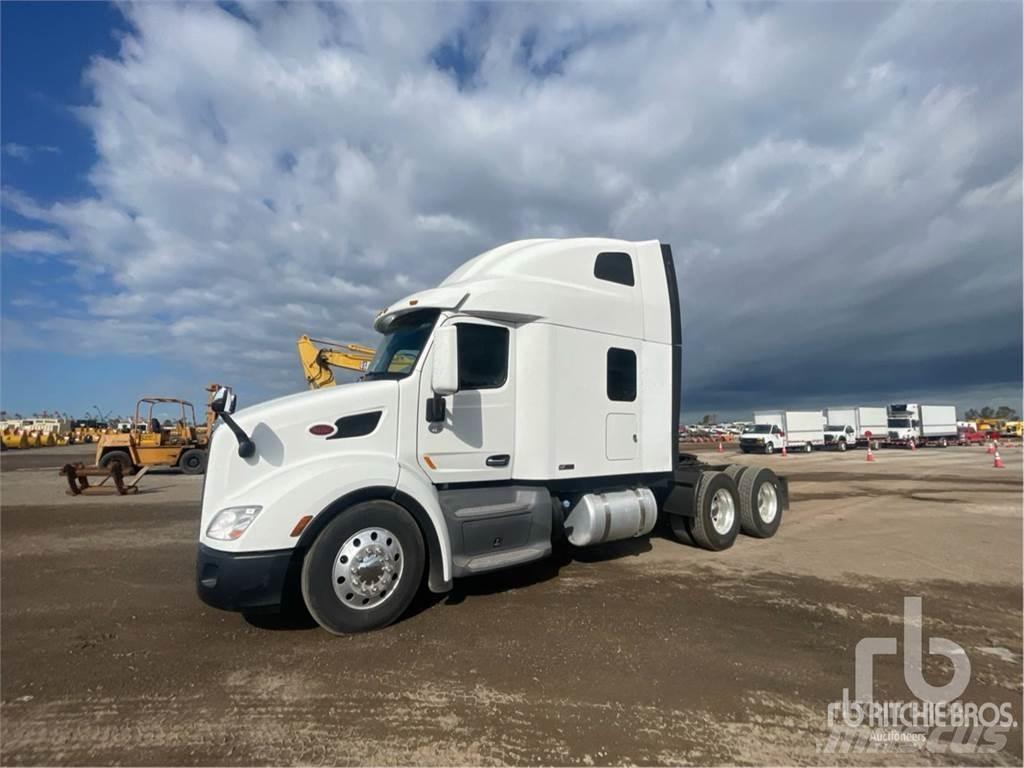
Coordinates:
column 224, row 401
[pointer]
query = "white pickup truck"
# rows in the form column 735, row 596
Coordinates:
column 531, row 398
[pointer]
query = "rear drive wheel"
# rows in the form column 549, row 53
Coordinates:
column 760, row 497
column 364, row 568
column 716, row 520
column 734, row 471
column 119, row 457
column 193, row 461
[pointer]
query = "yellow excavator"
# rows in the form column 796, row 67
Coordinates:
column 317, row 361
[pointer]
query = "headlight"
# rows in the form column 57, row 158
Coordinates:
column 232, row 522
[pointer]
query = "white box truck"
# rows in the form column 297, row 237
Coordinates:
column 911, row 425
column 846, row 427
column 796, row 430
column 531, row 398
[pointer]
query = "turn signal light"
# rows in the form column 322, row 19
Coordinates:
column 301, row 525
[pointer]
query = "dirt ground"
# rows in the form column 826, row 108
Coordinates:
column 642, row 652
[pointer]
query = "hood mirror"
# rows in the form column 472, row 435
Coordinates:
column 223, row 401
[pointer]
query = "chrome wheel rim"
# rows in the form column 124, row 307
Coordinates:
column 767, row 502
column 723, row 511
column 367, row 568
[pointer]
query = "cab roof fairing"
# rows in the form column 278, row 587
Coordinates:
column 520, row 282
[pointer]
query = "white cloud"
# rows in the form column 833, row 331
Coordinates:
column 34, row 241
column 825, row 176
column 25, row 153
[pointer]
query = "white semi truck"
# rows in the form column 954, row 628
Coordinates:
column 849, row 426
column 796, row 430
column 910, row 425
column 532, row 397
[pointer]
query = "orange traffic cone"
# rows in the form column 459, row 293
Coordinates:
column 913, row 445
column 720, row 450
column 784, row 454
column 997, row 462
column 870, row 456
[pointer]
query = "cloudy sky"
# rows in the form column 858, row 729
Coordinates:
column 186, row 189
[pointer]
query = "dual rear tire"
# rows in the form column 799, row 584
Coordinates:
column 740, row 498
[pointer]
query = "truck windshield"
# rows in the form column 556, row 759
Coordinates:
column 758, row 429
column 899, row 423
column 402, row 345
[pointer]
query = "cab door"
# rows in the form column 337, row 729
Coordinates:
column 474, row 442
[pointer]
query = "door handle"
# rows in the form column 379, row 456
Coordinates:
column 498, row 460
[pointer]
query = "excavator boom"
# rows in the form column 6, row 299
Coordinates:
column 317, row 361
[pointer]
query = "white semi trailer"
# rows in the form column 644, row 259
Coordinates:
column 849, row 426
column 530, row 398
column 910, row 425
column 796, row 430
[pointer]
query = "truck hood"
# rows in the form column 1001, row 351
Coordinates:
column 280, row 430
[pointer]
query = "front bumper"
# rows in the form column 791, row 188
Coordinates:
column 242, row 581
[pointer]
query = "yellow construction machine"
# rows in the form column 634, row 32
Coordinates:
column 162, row 444
column 317, row 361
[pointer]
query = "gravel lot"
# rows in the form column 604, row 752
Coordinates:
column 645, row 651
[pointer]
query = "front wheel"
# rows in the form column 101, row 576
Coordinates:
column 769, row 449
column 364, row 568
column 842, row 446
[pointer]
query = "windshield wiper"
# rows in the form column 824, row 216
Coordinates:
column 374, row 375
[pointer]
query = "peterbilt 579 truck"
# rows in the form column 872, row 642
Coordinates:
column 529, row 401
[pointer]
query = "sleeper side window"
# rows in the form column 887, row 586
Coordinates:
column 615, row 267
column 621, row 375
column 483, row 356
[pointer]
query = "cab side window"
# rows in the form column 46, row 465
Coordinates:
column 483, row 356
column 621, row 375
column 615, row 267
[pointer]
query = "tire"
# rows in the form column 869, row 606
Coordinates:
column 346, row 606
column 769, row 449
column 943, row 443
column 760, row 496
column 808, row 447
column 712, row 526
column 121, row 457
column 841, row 446
column 745, row 450
column 735, row 470
column 193, row 461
